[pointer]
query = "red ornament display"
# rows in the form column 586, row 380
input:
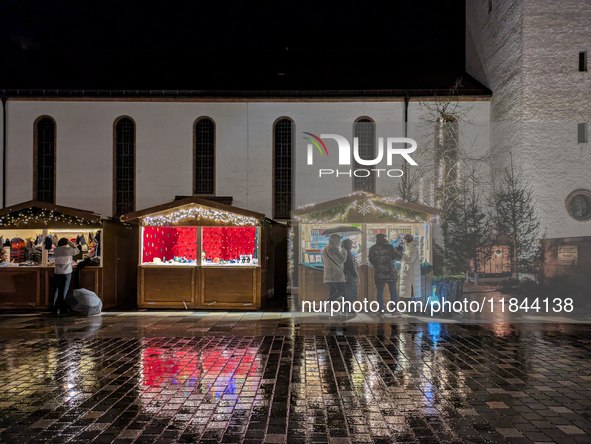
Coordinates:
column 227, row 243
column 166, row 243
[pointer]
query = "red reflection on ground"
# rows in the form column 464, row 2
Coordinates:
column 162, row 367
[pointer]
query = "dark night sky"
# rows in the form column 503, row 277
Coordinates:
column 230, row 44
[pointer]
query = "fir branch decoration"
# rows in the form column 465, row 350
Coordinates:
column 341, row 210
column 392, row 212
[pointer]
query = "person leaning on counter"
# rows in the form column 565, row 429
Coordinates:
column 63, row 255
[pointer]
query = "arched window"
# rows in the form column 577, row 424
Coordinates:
column 282, row 172
column 44, row 160
column 124, row 187
column 204, row 156
column 365, row 130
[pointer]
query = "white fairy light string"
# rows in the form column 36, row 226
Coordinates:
column 197, row 213
column 422, row 192
column 44, row 216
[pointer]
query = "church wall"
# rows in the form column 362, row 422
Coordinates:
column 556, row 97
column 528, row 51
column 494, row 55
column 164, row 148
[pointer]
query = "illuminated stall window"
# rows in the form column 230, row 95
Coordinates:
column 230, row 246
column 314, row 241
column 172, row 245
column 395, row 234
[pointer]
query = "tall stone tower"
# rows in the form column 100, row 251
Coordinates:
column 533, row 55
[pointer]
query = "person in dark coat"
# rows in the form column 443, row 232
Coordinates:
column 382, row 256
column 351, row 286
column 333, row 259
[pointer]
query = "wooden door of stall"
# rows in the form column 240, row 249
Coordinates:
column 126, row 259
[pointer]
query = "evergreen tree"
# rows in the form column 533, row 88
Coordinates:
column 516, row 221
column 469, row 237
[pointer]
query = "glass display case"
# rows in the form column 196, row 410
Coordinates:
column 237, row 246
column 169, row 245
column 313, row 242
column 34, row 248
column 395, row 234
column 220, row 246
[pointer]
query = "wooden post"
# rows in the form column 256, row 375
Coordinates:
column 44, row 252
column 363, row 290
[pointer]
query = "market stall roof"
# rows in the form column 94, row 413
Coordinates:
column 173, row 213
column 35, row 214
column 362, row 207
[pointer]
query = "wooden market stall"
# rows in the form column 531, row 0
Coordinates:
column 370, row 214
column 26, row 279
column 198, row 253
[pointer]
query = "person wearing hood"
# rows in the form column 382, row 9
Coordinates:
column 410, row 269
column 333, row 259
column 382, row 256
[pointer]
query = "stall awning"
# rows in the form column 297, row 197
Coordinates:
column 363, row 207
column 194, row 211
column 34, row 214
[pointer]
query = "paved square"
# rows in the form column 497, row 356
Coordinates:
column 196, row 377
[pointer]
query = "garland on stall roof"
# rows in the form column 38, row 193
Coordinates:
column 382, row 205
column 43, row 216
column 334, row 214
column 399, row 213
column 196, row 213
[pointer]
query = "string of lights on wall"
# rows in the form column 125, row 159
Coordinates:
column 199, row 213
column 31, row 216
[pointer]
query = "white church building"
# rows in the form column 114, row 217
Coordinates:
column 113, row 152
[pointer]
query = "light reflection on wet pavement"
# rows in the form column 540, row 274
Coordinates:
column 261, row 378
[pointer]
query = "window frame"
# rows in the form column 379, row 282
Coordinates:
column 292, row 169
column 354, row 164
column 214, row 148
column 582, row 61
column 115, row 123
column 36, row 157
column 582, row 130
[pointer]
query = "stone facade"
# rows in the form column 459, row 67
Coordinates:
column 527, row 52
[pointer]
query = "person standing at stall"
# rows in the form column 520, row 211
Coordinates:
column 351, row 290
column 333, row 260
column 382, row 256
column 63, row 255
column 410, row 269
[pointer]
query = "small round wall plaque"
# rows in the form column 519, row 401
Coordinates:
column 578, row 205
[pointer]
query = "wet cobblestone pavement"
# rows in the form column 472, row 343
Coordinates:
column 261, row 378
